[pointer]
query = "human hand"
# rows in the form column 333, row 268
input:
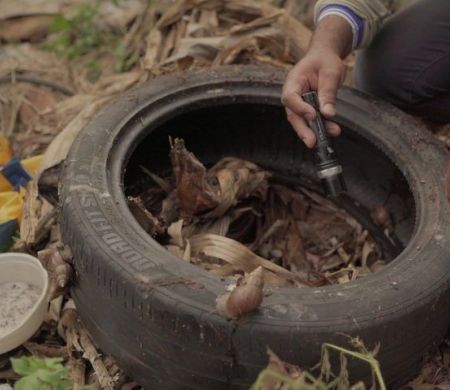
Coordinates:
column 322, row 70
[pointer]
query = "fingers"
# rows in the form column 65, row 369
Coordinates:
column 306, row 76
column 305, row 133
column 329, row 81
column 301, row 128
column 333, row 128
column 291, row 97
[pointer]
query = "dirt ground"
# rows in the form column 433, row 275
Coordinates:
column 61, row 60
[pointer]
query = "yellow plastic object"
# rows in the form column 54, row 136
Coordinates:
column 5, row 150
column 32, row 164
column 11, row 205
column 11, row 201
column 5, row 185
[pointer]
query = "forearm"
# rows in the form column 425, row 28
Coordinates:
column 364, row 17
column 333, row 33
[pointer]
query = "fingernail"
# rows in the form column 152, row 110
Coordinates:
column 329, row 109
column 309, row 142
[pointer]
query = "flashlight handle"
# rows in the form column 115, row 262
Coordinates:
column 317, row 124
column 328, row 168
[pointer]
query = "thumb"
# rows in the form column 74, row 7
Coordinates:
column 327, row 89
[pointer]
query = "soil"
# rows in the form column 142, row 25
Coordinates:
column 16, row 301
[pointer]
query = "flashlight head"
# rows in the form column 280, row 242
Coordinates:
column 332, row 180
column 334, row 186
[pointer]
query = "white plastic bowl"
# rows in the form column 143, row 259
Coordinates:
column 19, row 267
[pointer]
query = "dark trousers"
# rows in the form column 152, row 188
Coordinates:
column 408, row 63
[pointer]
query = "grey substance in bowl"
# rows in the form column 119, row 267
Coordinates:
column 16, row 301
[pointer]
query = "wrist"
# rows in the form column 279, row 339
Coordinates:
column 324, row 52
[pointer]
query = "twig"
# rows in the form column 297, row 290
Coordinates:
column 369, row 358
column 77, row 373
column 44, row 350
column 77, row 338
column 163, row 184
column 90, row 352
column 13, row 78
column 8, row 375
column 15, row 103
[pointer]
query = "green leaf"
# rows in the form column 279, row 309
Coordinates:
column 60, row 23
column 54, row 363
column 27, row 365
column 41, row 374
column 29, row 383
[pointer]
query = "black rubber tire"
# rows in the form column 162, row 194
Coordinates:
column 156, row 314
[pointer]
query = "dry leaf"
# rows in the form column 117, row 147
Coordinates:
column 294, row 253
column 239, row 255
column 153, row 50
column 118, row 14
column 60, row 146
column 175, row 233
column 145, row 218
column 367, row 250
column 37, row 101
column 238, row 179
column 163, row 184
column 38, row 217
column 22, row 28
column 60, row 271
column 197, row 191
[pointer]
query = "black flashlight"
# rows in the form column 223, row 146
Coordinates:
column 328, row 168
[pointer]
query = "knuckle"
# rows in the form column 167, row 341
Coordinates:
column 290, row 116
column 327, row 96
column 332, row 73
column 287, row 98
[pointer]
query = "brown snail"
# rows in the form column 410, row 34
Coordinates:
column 380, row 215
column 245, row 298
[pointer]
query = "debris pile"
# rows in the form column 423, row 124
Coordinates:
column 235, row 218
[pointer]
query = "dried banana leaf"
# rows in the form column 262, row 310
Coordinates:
column 239, row 255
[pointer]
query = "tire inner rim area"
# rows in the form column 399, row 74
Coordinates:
column 259, row 132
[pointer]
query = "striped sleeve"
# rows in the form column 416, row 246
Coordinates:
column 364, row 17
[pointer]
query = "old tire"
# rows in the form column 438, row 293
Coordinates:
column 156, row 314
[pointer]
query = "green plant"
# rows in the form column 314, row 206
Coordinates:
column 94, row 71
column 41, row 374
column 77, row 35
column 123, row 57
column 326, row 379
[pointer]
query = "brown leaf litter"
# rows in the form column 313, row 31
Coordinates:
column 235, row 218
